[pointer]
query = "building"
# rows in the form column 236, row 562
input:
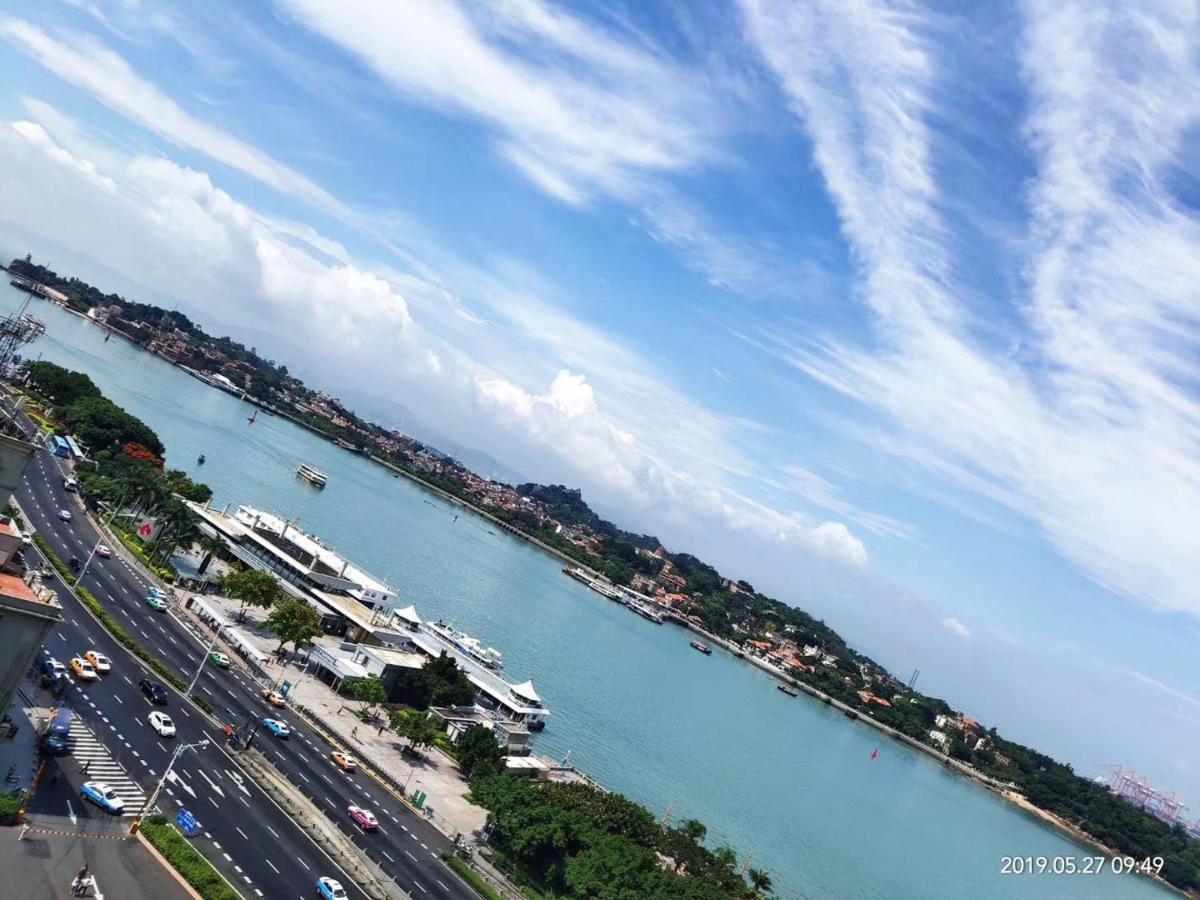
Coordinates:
column 27, row 612
column 351, row 601
column 516, row 739
column 389, row 664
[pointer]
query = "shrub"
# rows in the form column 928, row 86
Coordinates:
column 186, row 860
column 10, row 803
column 467, row 874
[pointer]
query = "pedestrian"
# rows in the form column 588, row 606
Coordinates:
column 380, row 731
column 354, row 732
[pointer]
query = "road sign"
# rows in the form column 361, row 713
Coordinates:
column 187, row 822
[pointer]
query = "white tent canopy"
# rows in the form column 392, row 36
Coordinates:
column 525, row 691
column 408, row 614
column 238, row 639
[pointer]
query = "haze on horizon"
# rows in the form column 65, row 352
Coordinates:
column 888, row 309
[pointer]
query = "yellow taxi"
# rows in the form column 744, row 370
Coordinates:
column 99, row 661
column 83, row 669
column 274, row 697
column 344, row 761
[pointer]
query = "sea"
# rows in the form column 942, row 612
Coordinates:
column 791, row 785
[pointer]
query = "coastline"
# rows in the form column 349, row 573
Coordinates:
column 1003, row 790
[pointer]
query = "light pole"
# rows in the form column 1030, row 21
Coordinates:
column 203, row 660
column 99, row 539
column 137, row 820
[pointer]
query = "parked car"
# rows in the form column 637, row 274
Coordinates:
column 83, row 669
column 162, row 723
column 364, row 818
column 155, row 692
column 344, row 761
column 156, row 603
column 330, row 889
column 70, row 484
column 103, row 551
column 99, row 661
column 56, row 740
column 277, row 728
column 65, row 515
column 219, row 659
column 103, row 796
column 274, row 698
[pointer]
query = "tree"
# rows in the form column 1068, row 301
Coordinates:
column 760, row 881
column 63, row 386
column 101, row 424
column 479, row 753
column 253, row 587
column 370, row 691
column 210, row 546
column 293, row 622
column 416, row 727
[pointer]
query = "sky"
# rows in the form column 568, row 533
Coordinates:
column 889, row 309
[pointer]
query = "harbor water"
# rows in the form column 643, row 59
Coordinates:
column 786, row 778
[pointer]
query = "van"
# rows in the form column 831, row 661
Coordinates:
column 55, row 740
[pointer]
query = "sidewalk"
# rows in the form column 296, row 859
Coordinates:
column 18, row 754
column 432, row 771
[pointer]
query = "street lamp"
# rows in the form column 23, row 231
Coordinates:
column 99, row 538
column 203, row 660
column 150, row 801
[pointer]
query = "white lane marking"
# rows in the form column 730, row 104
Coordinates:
column 217, row 845
column 161, row 747
column 214, row 802
column 127, row 681
column 303, row 863
column 61, row 637
column 227, row 857
column 410, row 856
column 243, row 799
column 272, row 830
column 118, row 699
column 421, row 886
column 242, row 833
column 442, row 886
column 272, row 865
column 388, row 855
column 301, row 774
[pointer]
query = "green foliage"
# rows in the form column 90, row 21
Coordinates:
column 186, row 860
column 10, row 803
column 469, row 875
column 417, row 727
column 253, row 587
column 62, row 386
column 479, row 753
column 578, row 841
column 102, row 425
column 293, row 622
column 440, row 682
column 369, row 690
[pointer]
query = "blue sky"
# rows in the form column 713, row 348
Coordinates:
column 889, row 309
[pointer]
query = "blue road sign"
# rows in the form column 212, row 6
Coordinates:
column 186, row 822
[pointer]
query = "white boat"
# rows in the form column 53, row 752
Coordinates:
column 311, row 475
column 485, row 656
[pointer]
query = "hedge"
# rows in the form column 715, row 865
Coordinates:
column 11, row 803
column 120, row 635
column 471, row 877
column 134, row 547
column 186, row 860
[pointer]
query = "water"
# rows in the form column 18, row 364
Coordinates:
column 637, row 708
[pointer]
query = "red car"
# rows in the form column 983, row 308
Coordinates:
column 364, row 818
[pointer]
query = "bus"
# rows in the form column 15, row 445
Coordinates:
column 58, row 446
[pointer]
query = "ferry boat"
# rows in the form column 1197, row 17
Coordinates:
column 703, row 648
column 788, row 689
column 485, row 656
column 312, row 475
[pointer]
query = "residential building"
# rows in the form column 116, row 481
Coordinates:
column 27, row 612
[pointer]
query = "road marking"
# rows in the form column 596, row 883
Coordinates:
column 161, row 747
column 272, row 830
column 421, row 886
column 214, row 802
column 272, row 865
column 442, row 886
column 227, row 856
column 404, row 827
column 118, row 699
column 242, row 833
column 301, row 774
column 243, row 799
column 303, row 863
column 410, row 856
column 61, row 637
column 237, row 869
column 423, row 846
column 388, row 855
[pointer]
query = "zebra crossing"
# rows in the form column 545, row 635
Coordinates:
column 99, row 765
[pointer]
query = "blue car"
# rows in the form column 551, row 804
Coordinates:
column 330, row 889
column 277, row 728
column 103, row 796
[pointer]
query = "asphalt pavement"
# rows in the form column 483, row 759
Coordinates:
column 243, row 832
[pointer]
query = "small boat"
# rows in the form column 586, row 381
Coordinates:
column 312, row 475
column 253, row 416
column 788, row 689
column 200, row 460
column 703, row 648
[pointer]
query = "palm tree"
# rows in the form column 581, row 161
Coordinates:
column 210, row 545
column 760, row 881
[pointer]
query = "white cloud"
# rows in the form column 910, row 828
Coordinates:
column 957, row 628
column 571, row 395
column 89, row 65
column 1091, row 428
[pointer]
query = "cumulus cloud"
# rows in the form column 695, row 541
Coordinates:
column 1091, row 428
column 957, row 628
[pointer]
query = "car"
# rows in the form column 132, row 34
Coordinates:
column 155, row 692
column 344, row 760
column 103, row 796
column 51, row 666
column 47, row 573
column 99, row 661
column 330, row 889
column 274, row 697
column 27, row 540
column 70, row 484
column 156, row 603
column 277, row 727
column 364, row 818
column 65, row 515
column 83, row 669
column 162, row 723
column 103, row 551
column 219, row 659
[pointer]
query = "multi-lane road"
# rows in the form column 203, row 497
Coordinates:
column 243, row 832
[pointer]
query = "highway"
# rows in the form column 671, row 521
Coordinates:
column 249, row 838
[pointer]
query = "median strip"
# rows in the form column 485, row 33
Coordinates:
column 186, row 860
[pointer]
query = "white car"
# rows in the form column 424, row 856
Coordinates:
column 103, row 551
column 99, row 661
column 65, row 515
column 83, row 669
column 162, row 723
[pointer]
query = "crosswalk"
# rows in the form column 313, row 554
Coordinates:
column 100, row 766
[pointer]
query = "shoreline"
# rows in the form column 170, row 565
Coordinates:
column 1003, row 790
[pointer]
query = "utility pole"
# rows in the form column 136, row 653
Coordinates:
column 150, row 801
column 200, row 668
column 116, row 508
